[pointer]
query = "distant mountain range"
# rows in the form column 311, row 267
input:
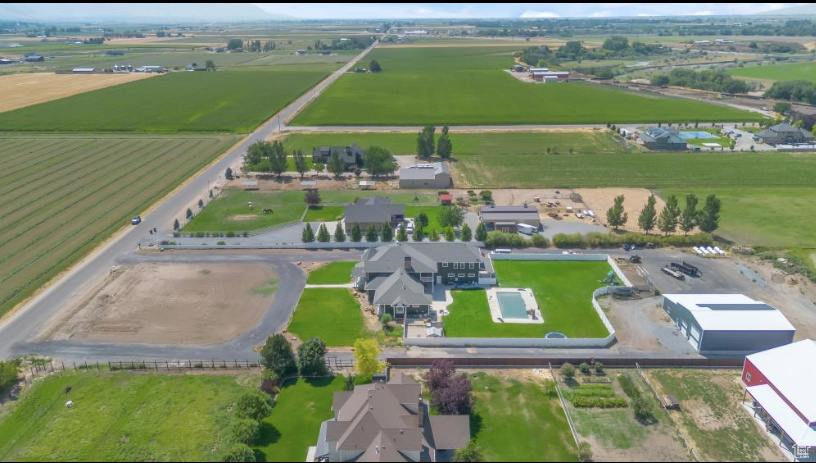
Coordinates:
column 135, row 12
column 809, row 9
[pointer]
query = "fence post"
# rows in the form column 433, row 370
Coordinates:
column 167, row 364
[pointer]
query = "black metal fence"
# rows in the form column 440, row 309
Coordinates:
column 543, row 362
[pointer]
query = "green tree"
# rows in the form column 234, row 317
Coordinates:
column 468, row 453
column 244, row 431
column 253, row 404
column 318, row 167
column 379, row 161
column 688, row 219
column 189, row 214
column 386, row 233
column 210, row 65
column 301, row 166
column 336, row 165
column 669, row 216
column 451, row 216
column 277, row 355
column 709, row 218
column 616, row 216
column 422, row 219
column 466, row 234
column 239, row 453
column 567, row 371
column 481, row 232
column 176, row 225
column 307, row 236
column 323, row 235
column 444, row 147
column 356, row 233
column 419, row 232
column 277, row 158
column 434, row 235
column 201, row 204
column 312, row 197
column 648, row 216
column 402, row 233
column 312, row 357
column 425, row 142
column 367, row 357
column 371, row 234
column 781, row 107
column 374, row 66
column 235, row 44
column 450, row 235
column 8, row 375
column 339, row 233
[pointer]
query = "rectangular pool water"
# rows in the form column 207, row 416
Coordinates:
column 696, row 134
column 511, row 305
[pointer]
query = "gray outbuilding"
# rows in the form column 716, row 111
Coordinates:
column 434, row 175
column 728, row 323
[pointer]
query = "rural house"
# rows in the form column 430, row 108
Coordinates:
column 806, row 114
column 400, row 278
column 507, row 218
column 435, row 175
column 781, row 383
column 352, row 155
column 373, row 211
column 728, row 323
column 658, row 138
column 388, row 422
column 785, row 134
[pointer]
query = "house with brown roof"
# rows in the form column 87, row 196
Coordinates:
column 388, row 422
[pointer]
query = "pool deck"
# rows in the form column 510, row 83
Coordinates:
column 529, row 301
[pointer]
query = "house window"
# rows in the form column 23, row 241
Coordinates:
column 471, row 275
column 400, row 310
column 472, row 266
column 461, row 275
column 748, row 377
column 445, row 264
column 456, row 265
column 451, row 275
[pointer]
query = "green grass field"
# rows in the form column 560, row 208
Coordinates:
column 711, row 414
column 563, row 291
column 333, row 273
column 467, row 144
column 177, row 102
column 118, row 417
column 324, row 213
column 295, row 421
column 331, row 314
column 784, row 72
column 518, row 421
column 772, row 217
column 461, row 86
column 230, row 211
column 60, row 196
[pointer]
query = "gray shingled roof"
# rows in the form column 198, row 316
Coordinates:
column 401, row 288
column 783, row 128
column 373, row 210
column 424, row 256
column 661, row 135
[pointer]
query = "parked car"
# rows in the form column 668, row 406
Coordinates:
column 136, row 220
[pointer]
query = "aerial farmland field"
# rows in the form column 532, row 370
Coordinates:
column 221, row 101
column 783, row 72
column 469, row 85
column 60, row 196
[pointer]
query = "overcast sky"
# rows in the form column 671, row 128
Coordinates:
column 511, row 10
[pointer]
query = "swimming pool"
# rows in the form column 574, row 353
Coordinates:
column 511, row 305
column 696, row 134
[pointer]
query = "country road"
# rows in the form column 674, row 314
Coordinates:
column 26, row 321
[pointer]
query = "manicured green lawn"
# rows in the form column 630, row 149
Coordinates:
column 295, row 421
column 797, row 71
column 433, row 216
column 711, row 413
column 471, row 86
column 466, row 144
column 230, row 211
column 563, row 291
column 176, row 102
column 332, row 314
column 519, row 421
column 324, row 213
column 773, row 217
column 119, row 417
column 333, row 273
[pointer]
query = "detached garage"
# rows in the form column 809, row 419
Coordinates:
column 728, row 323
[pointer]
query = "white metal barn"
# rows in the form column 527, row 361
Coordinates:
column 728, row 323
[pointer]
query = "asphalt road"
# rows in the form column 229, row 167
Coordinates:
column 30, row 318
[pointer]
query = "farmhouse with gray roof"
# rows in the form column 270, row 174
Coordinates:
column 389, row 422
column 435, row 175
column 352, row 155
column 400, row 278
column 785, row 134
column 373, row 211
column 658, row 138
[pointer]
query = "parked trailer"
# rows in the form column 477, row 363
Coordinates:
column 674, row 273
column 686, row 268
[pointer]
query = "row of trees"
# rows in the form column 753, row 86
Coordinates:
column 264, row 156
column 671, row 217
column 797, row 90
column 386, row 233
column 711, row 80
column 427, row 146
column 613, row 48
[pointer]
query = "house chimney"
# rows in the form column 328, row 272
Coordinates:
column 407, row 263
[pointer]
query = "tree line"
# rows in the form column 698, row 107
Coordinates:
column 264, row 156
column 672, row 216
column 427, row 145
column 711, row 80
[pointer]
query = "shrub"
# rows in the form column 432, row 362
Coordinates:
column 244, row 431
column 230, row 234
column 497, row 239
column 270, row 382
column 643, row 412
column 468, row 453
column 539, row 241
column 584, row 451
column 567, row 371
column 599, row 368
column 253, row 405
column 312, row 357
column 8, row 375
column 628, row 386
column 239, row 453
column 221, row 243
column 585, row 368
column 386, row 319
column 588, row 401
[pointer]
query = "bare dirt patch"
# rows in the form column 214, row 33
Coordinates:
column 171, row 304
column 601, row 199
column 21, row 90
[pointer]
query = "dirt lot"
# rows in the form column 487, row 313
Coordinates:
column 170, row 304
column 601, row 199
column 21, row 90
